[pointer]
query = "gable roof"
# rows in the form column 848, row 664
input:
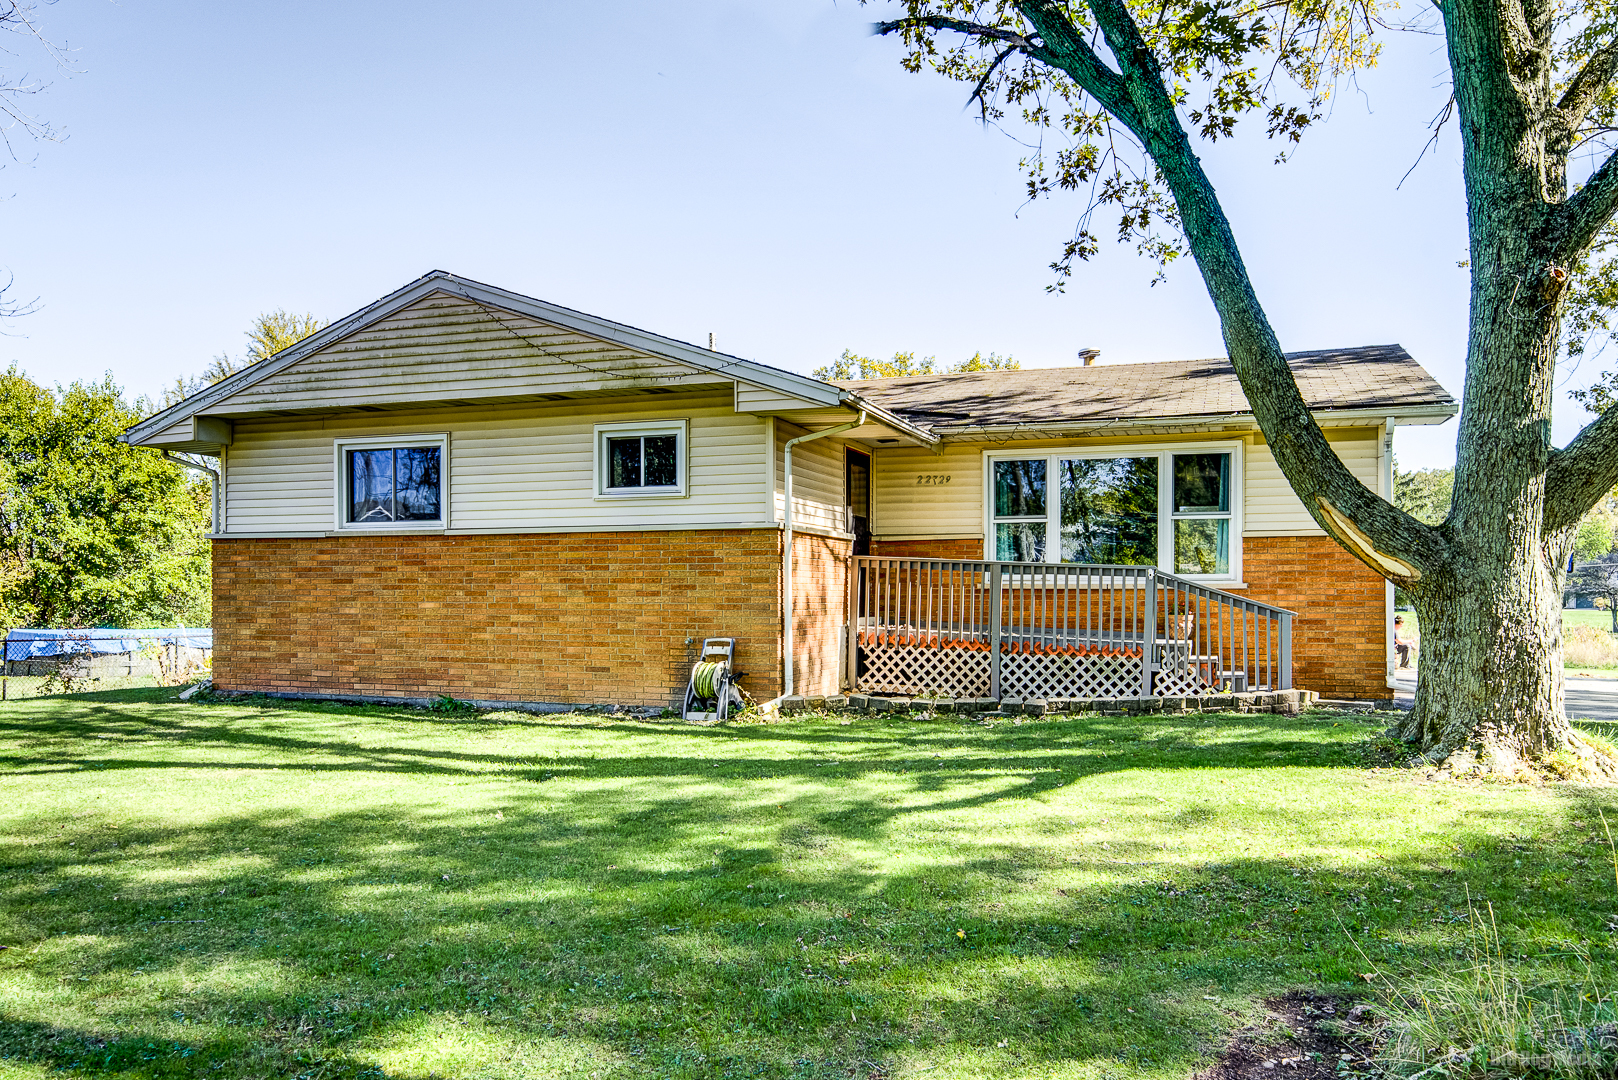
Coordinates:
column 813, row 392
column 1381, row 379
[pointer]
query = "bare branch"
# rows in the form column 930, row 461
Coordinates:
column 16, row 17
column 977, row 91
column 1438, row 127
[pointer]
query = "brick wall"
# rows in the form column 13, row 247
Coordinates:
column 1339, row 640
column 585, row 618
column 820, row 582
column 929, row 549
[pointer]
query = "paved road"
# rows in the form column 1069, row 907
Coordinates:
column 1587, row 699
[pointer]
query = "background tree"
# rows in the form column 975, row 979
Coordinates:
column 1424, row 494
column 93, row 531
column 269, row 334
column 850, row 366
column 1598, row 580
column 1595, row 534
column 1120, row 88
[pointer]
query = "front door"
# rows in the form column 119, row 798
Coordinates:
column 857, row 490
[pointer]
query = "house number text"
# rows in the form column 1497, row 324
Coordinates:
column 924, row 479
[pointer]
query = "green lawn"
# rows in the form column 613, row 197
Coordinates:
column 264, row 890
column 1601, row 620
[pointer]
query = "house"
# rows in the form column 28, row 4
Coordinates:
column 461, row 490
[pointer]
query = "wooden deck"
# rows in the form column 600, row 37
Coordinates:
column 954, row 628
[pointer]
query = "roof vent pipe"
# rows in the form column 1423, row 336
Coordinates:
column 1089, row 356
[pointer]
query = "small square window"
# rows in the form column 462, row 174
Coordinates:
column 384, row 483
column 634, row 459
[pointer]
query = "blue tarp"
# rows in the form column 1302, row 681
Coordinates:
column 32, row 644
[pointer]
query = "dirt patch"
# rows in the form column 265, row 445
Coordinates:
column 1305, row 1037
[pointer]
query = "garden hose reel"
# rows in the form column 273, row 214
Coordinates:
column 712, row 691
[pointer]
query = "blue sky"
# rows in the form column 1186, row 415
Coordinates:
column 762, row 171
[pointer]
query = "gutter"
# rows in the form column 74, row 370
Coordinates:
column 786, row 548
column 1324, row 417
column 893, row 420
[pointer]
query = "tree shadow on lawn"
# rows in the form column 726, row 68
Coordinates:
column 1048, row 752
column 683, row 931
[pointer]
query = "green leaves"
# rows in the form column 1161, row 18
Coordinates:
column 93, row 531
column 852, row 366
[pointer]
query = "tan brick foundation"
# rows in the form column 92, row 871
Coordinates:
column 579, row 618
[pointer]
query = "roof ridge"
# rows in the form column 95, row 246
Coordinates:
column 888, row 380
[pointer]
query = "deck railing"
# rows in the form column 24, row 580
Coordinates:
column 965, row 628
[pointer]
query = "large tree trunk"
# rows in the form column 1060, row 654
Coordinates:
column 1489, row 691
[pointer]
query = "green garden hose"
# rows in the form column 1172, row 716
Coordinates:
column 705, row 680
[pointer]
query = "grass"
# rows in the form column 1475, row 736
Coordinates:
column 257, row 889
column 1590, row 650
column 22, row 687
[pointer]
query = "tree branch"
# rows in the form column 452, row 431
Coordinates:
column 960, row 26
column 1077, row 59
column 1591, row 207
column 1582, row 472
column 1585, row 87
column 1388, row 540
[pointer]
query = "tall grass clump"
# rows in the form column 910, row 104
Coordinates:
column 1483, row 1021
column 1589, row 647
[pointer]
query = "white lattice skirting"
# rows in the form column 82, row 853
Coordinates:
column 920, row 669
column 1180, row 676
column 925, row 669
column 1091, row 675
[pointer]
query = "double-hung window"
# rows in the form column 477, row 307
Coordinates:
column 1170, row 508
column 638, row 459
column 391, row 482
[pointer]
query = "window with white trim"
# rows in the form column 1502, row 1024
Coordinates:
column 639, row 459
column 391, row 481
column 1171, row 508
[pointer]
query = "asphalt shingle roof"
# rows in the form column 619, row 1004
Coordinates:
column 1371, row 377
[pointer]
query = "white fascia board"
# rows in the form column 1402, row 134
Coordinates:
column 731, row 367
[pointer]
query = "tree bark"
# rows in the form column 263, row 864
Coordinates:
column 1489, row 677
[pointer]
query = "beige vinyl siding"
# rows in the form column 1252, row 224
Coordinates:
column 181, row 432
column 510, row 467
column 446, row 348
column 817, row 479
column 911, row 502
column 759, row 399
column 1273, row 509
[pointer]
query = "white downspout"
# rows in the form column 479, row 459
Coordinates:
column 213, row 486
column 786, row 551
column 1389, row 425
